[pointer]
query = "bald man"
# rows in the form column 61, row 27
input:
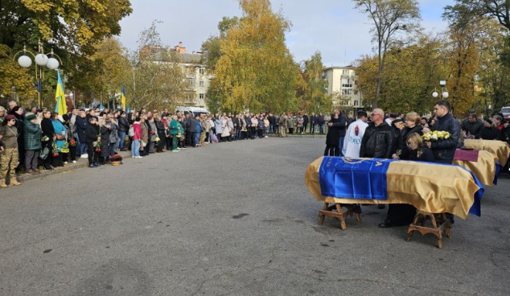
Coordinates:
column 377, row 141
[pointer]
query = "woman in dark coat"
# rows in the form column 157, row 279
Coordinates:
column 333, row 136
column 412, row 125
column 91, row 136
column 105, row 129
column 32, row 143
column 47, row 132
column 403, row 214
column 489, row 131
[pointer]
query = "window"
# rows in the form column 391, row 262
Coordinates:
column 201, row 83
column 346, row 92
column 345, row 72
column 346, row 82
column 201, row 71
column 355, row 102
column 201, row 96
column 191, row 81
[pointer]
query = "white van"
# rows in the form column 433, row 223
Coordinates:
column 506, row 112
column 194, row 110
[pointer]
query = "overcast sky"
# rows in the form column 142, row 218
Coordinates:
column 333, row 27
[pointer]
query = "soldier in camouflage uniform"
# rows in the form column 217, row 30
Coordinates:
column 9, row 156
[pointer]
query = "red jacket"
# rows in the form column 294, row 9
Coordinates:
column 138, row 131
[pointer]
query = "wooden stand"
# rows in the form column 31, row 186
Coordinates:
column 340, row 214
column 440, row 225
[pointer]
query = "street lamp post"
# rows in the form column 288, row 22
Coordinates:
column 52, row 61
column 444, row 92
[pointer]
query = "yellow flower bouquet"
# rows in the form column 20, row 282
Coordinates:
column 435, row 136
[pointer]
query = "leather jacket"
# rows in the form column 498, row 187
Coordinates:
column 377, row 141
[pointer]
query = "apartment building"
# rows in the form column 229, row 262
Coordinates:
column 343, row 87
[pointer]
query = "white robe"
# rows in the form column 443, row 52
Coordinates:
column 353, row 137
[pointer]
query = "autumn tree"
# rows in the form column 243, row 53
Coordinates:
column 255, row 69
column 312, row 88
column 407, row 86
column 157, row 78
column 14, row 78
column 71, row 28
column 391, row 18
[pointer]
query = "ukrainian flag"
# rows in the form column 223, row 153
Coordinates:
column 123, row 99
column 61, row 106
column 430, row 187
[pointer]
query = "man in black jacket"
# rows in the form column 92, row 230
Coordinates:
column 445, row 150
column 123, row 129
column 377, row 141
column 472, row 125
column 305, row 122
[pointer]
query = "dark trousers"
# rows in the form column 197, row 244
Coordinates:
column 31, row 158
column 162, row 142
column 91, row 153
column 401, row 214
column 305, row 125
column 331, row 150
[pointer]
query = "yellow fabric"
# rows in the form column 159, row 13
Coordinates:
column 499, row 148
column 429, row 187
column 484, row 169
column 123, row 101
column 60, row 98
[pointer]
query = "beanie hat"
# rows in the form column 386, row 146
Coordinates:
column 9, row 117
column 31, row 117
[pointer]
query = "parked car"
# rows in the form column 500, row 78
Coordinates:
column 506, row 112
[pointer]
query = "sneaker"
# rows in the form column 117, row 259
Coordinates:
column 84, row 156
column 92, row 165
column 65, row 162
column 175, row 150
column 74, row 161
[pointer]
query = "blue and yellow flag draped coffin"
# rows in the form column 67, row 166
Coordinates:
column 486, row 167
column 433, row 188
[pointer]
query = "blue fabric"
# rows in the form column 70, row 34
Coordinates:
column 59, row 128
column 498, row 169
column 354, row 178
column 366, row 179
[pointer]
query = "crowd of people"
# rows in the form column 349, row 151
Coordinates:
column 36, row 139
column 399, row 136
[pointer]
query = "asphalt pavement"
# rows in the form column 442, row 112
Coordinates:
column 230, row 219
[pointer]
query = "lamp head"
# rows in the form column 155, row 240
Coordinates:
column 24, row 61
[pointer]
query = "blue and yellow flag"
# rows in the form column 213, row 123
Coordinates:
column 430, row 187
column 123, row 99
column 61, row 106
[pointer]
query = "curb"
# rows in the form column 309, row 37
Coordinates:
column 298, row 136
column 81, row 163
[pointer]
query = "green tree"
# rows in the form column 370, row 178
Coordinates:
column 390, row 17
column 462, row 13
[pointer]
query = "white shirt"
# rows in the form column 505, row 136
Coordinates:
column 353, row 137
